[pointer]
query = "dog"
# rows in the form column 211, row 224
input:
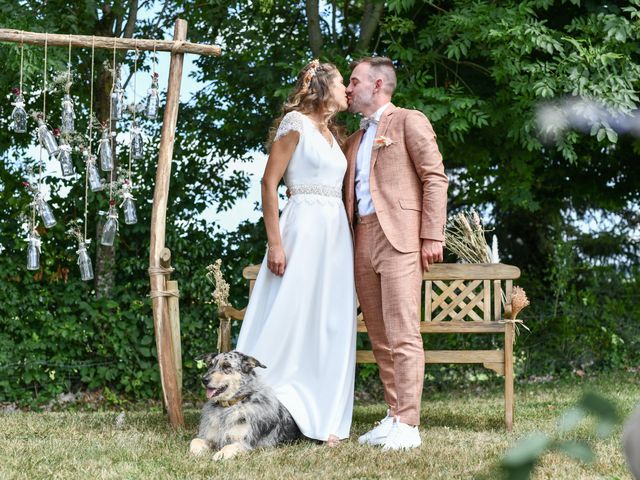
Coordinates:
column 241, row 413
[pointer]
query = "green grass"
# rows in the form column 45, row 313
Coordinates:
column 462, row 432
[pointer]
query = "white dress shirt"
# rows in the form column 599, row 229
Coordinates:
column 363, row 166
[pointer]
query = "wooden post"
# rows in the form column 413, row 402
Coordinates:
column 174, row 325
column 175, row 46
column 166, row 356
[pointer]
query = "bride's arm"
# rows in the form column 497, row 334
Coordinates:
column 281, row 152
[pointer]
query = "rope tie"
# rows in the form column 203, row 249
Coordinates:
column 164, row 293
column 160, row 270
column 177, row 46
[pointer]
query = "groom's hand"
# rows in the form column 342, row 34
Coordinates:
column 431, row 252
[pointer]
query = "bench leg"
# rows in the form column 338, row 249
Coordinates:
column 508, row 375
column 224, row 335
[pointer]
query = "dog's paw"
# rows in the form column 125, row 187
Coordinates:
column 198, row 446
column 228, row 451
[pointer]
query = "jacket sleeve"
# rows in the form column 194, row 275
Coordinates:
column 420, row 140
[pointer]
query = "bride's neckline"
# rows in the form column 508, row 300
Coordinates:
column 331, row 142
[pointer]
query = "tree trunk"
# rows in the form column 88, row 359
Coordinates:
column 105, row 270
column 313, row 21
column 368, row 25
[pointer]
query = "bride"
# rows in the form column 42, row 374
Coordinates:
column 300, row 321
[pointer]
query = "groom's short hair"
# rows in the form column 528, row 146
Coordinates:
column 382, row 66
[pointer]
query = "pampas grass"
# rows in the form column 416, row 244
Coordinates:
column 465, row 236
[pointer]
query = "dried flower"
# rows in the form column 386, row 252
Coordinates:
column 382, row 141
column 519, row 301
column 465, row 236
column 221, row 291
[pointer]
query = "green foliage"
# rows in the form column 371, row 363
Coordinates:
column 478, row 70
column 521, row 460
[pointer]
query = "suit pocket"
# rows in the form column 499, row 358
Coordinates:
column 410, row 205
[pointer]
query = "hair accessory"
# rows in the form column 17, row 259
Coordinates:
column 311, row 72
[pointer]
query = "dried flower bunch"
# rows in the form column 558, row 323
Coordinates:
column 519, row 301
column 221, row 291
column 465, row 236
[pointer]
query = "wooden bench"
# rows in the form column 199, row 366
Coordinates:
column 461, row 298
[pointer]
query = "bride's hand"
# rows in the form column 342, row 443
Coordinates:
column 276, row 260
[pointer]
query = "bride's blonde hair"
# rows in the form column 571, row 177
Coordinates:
column 312, row 93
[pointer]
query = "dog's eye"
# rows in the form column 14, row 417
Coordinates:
column 225, row 366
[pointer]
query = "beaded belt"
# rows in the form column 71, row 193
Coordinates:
column 324, row 190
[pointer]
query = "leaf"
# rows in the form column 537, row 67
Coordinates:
column 570, row 419
column 578, row 450
column 527, row 450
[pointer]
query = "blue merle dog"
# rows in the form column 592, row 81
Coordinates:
column 242, row 413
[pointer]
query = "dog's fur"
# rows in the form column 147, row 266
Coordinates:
column 242, row 413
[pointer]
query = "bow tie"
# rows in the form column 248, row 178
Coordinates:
column 367, row 121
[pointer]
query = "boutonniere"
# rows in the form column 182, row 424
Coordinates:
column 381, row 142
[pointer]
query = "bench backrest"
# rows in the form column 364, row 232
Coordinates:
column 457, row 291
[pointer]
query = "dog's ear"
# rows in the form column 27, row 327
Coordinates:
column 207, row 357
column 249, row 363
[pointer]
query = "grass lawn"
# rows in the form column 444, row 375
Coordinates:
column 462, row 432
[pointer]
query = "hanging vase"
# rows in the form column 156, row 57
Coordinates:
column 33, row 251
column 153, row 99
column 48, row 219
column 117, row 101
column 136, row 142
column 95, row 182
column 46, row 138
column 128, row 205
column 110, row 227
column 19, row 114
column 105, row 152
column 84, row 262
column 68, row 116
column 64, row 157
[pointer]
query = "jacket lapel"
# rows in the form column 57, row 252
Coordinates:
column 380, row 131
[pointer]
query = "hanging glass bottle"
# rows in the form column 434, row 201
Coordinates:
column 33, row 250
column 45, row 136
column 84, row 262
column 64, row 157
column 68, row 116
column 117, row 98
column 153, row 99
column 110, row 226
column 95, row 182
column 105, row 152
column 48, row 219
column 19, row 114
column 136, row 142
column 128, row 205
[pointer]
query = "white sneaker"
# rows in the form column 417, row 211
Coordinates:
column 401, row 437
column 378, row 434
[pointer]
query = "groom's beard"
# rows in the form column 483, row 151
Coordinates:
column 357, row 106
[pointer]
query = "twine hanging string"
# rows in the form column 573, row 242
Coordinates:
column 21, row 58
column 69, row 66
column 44, row 120
column 111, row 137
column 86, row 173
column 135, row 107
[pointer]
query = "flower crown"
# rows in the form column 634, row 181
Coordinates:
column 311, row 72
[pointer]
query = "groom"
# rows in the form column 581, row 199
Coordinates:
column 395, row 194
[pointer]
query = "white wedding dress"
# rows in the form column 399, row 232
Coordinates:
column 301, row 326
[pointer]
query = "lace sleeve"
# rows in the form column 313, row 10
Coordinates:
column 292, row 121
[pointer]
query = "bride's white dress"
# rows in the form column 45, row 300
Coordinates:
column 302, row 325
